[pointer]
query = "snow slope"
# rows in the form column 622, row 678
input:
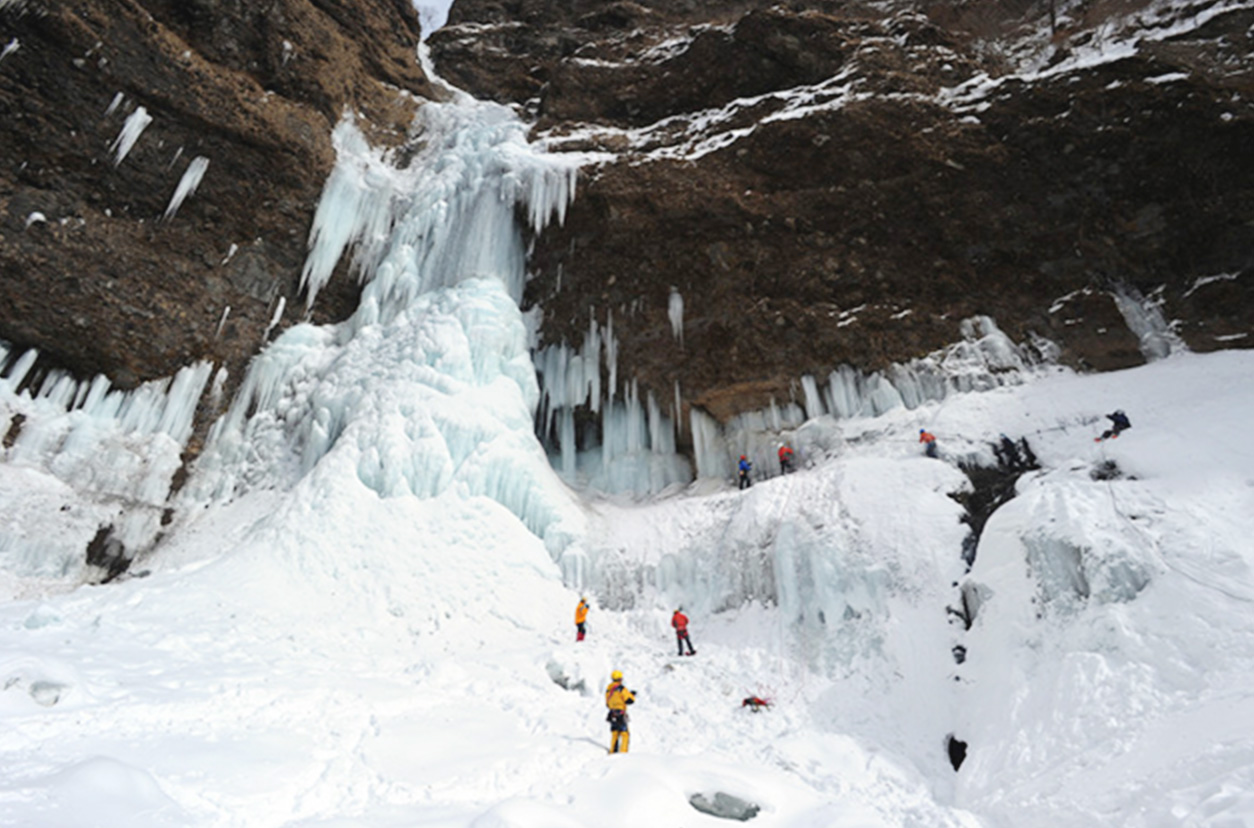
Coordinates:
column 327, row 656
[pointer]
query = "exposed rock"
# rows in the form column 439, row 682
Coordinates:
column 724, row 806
column 822, row 188
column 95, row 274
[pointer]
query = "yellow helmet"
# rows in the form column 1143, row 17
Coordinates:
column 617, row 675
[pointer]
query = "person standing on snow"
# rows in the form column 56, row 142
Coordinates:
column 680, row 622
column 785, row 458
column 929, row 439
column 581, row 619
column 745, row 466
column 617, row 697
column 1118, row 422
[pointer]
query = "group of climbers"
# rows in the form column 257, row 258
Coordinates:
column 1011, row 455
column 1018, row 456
column 617, row 696
column 744, row 466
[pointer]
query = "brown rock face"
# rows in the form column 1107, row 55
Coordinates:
column 95, row 273
column 844, row 188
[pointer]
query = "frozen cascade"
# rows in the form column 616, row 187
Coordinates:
column 445, row 218
column 984, row 359
column 1145, row 320
column 1068, row 530
column 429, row 387
column 634, row 448
column 116, row 451
column 802, row 544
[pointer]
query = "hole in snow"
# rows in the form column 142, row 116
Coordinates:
column 957, row 751
column 108, row 553
column 1106, row 470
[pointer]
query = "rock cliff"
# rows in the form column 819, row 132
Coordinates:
column 828, row 184
column 822, row 184
column 106, row 106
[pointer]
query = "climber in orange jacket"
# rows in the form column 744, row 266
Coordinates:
column 581, row 619
column 680, row 622
column 929, row 439
column 617, row 697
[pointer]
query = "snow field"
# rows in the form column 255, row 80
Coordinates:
column 362, row 611
column 327, row 656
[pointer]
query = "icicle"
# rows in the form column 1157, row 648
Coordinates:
column 23, row 365
column 131, row 130
column 677, row 411
column 274, row 319
column 709, row 448
column 187, row 184
column 675, row 312
column 114, row 104
column 611, row 354
column 813, row 400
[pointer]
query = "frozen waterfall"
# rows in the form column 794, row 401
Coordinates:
column 429, row 387
column 113, row 452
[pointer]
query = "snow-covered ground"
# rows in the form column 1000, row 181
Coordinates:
column 360, row 612
column 327, row 656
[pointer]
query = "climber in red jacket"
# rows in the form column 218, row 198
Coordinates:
column 785, row 458
column 680, row 622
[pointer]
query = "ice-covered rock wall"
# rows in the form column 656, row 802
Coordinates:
column 985, row 358
column 630, row 444
column 609, row 440
column 92, row 457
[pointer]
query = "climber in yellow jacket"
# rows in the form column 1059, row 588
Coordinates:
column 581, row 619
column 617, row 697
